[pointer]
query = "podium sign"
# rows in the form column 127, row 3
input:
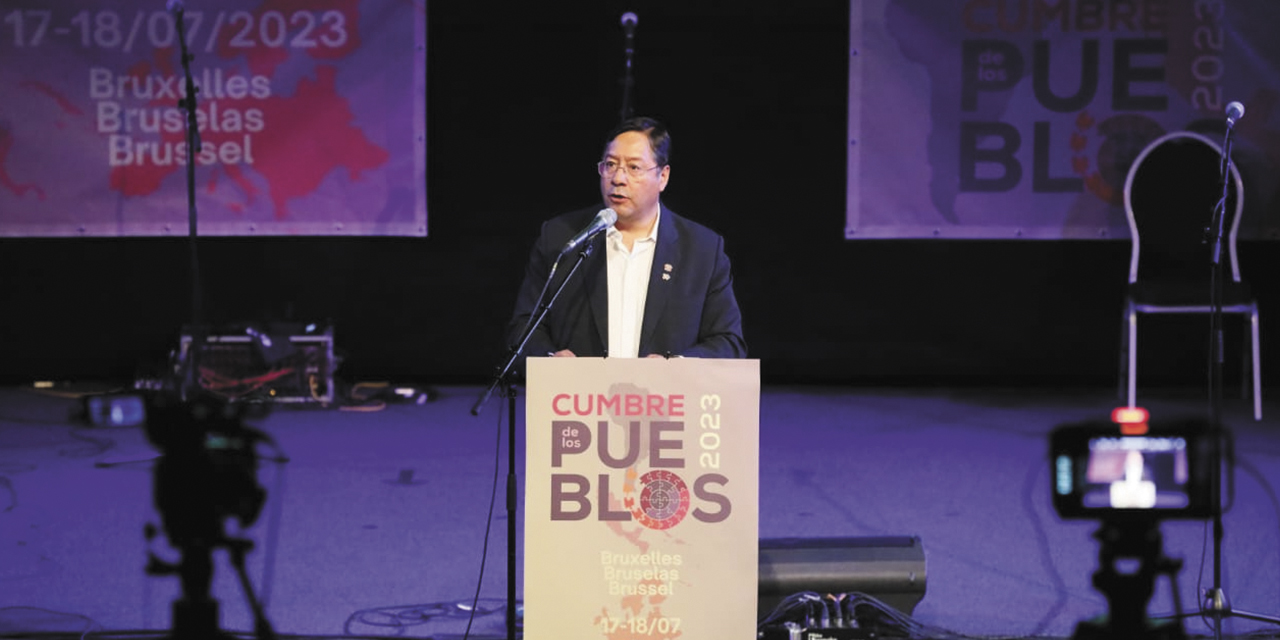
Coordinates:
column 641, row 501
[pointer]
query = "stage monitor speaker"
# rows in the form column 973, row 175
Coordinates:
column 888, row 568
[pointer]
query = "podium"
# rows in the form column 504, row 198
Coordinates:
column 642, row 498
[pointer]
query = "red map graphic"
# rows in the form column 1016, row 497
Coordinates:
column 63, row 102
column 6, row 143
column 7, row 138
column 319, row 138
column 306, row 136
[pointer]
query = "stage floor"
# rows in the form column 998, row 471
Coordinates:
column 385, row 511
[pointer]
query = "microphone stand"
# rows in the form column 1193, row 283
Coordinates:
column 194, row 146
column 629, row 50
column 1215, row 602
column 503, row 378
column 188, row 104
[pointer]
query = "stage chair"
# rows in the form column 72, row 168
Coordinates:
column 1169, row 196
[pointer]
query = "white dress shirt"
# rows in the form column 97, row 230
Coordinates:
column 628, row 288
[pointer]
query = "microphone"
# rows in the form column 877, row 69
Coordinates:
column 175, row 6
column 1235, row 111
column 601, row 222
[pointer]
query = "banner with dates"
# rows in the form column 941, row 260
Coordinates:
column 1021, row 118
column 641, row 501
column 311, row 117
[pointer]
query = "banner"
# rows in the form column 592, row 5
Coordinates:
column 311, row 116
column 642, row 498
column 1021, row 118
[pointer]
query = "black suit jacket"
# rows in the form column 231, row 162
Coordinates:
column 690, row 309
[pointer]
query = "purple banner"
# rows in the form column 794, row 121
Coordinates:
column 1021, row 118
column 311, row 115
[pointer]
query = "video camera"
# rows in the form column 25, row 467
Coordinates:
column 1131, row 469
column 208, row 469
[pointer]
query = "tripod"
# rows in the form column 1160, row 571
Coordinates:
column 205, row 475
column 1128, row 592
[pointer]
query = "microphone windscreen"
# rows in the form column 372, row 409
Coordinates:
column 1235, row 111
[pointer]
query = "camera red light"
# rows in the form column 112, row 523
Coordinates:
column 1132, row 420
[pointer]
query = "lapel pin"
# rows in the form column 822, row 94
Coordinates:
column 667, row 267
column 666, row 276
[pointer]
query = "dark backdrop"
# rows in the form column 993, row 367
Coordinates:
column 519, row 95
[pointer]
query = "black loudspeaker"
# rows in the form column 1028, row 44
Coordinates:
column 890, row 569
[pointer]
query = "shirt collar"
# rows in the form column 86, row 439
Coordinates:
column 613, row 234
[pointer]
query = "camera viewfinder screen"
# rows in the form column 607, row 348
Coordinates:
column 1136, row 472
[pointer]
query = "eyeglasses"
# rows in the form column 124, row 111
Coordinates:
column 608, row 167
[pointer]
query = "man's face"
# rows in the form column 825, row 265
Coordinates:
column 634, row 198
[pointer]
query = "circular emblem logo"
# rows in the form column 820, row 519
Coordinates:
column 664, row 500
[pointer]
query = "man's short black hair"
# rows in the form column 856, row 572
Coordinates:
column 659, row 137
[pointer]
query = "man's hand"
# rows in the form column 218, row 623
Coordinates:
column 564, row 353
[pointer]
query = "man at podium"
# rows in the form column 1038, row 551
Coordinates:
column 652, row 283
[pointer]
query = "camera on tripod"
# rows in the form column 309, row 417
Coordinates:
column 1130, row 474
column 207, row 474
